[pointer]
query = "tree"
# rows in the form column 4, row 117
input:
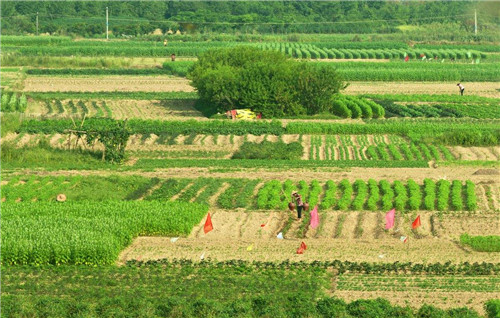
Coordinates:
column 265, row 81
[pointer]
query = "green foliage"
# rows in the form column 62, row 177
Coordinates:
column 269, row 150
column 86, row 232
column 489, row 243
column 264, row 81
column 493, row 308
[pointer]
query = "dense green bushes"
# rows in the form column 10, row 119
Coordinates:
column 269, row 150
column 493, row 308
column 264, row 81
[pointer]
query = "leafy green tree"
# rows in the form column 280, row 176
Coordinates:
column 265, row 81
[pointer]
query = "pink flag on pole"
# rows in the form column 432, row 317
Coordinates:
column 389, row 219
column 314, row 217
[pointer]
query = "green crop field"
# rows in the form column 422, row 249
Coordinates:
column 136, row 183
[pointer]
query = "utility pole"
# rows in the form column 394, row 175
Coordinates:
column 37, row 23
column 107, row 24
column 475, row 21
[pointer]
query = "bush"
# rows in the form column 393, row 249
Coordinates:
column 331, row 307
column 265, row 81
column 493, row 308
column 269, row 150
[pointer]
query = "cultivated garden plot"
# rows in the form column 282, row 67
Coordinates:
column 127, row 190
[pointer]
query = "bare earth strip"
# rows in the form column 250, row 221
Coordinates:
column 487, row 89
column 107, row 84
column 234, row 231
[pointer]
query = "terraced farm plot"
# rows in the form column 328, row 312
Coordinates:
column 117, row 109
column 234, row 231
column 106, row 84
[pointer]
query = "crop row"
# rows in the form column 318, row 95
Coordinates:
column 362, row 195
column 240, row 193
column 89, row 233
column 309, row 51
column 375, row 71
column 11, row 102
column 355, row 107
column 441, row 110
column 377, row 151
column 275, row 164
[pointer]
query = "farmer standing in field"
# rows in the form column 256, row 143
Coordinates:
column 298, row 202
column 461, row 88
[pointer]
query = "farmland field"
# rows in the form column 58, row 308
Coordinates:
column 128, row 191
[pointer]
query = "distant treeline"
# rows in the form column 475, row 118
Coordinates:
column 87, row 18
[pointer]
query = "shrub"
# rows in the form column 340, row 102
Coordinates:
column 493, row 308
column 265, row 81
column 331, row 307
column 269, row 150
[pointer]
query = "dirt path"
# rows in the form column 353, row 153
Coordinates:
column 487, row 89
column 107, row 84
column 235, row 231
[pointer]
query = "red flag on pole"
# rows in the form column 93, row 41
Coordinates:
column 302, row 248
column 208, row 224
column 389, row 219
column 416, row 223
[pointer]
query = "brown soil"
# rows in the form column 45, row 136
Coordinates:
column 487, row 172
column 107, row 83
column 487, row 89
column 234, row 231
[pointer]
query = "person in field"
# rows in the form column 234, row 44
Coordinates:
column 172, row 57
column 297, row 198
column 461, row 88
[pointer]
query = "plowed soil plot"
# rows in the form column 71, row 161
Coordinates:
column 487, row 89
column 107, row 84
column 252, row 236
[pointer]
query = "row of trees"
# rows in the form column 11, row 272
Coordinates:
column 134, row 17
